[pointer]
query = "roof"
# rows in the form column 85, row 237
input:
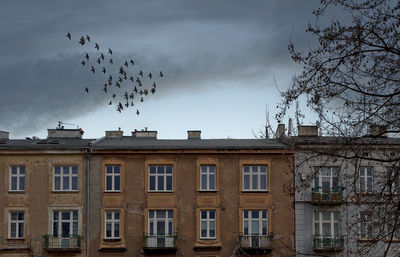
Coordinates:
column 132, row 143
column 45, row 144
column 343, row 141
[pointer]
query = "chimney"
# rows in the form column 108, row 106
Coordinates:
column 114, row 133
column 280, row 131
column 194, row 134
column 64, row 133
column 145, row 134
column 310, row 130
column 4, row 135
column 377, row 130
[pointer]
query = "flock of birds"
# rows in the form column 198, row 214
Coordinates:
column 128, row 80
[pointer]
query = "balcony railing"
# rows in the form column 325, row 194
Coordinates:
column 256, row 241
column 52, row 243
column 160, row 241
column 327, row 196
column 327, row 243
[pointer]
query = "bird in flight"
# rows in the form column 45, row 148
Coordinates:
column 141, row 73
column 149, row 75
column 102, row 56
column 92, row 69
column 69, row 36
column 83, row 62
column 109, row 51
column 87, row 90
column 132, row 62
column 161, row 74
column 96, row 46
column 88, row 38
column 82, row 40
column 137, row 112
column 111, row 61
column 104, row 70
column 87, row 56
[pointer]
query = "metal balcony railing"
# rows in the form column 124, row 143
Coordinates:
column 328, row 243
column 256, row 241
column 327, row 196
column 160, row 241
column 62, row 243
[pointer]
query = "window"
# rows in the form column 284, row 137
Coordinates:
column 65, row 178
column 393, row 180
column 326, row 179
column 16, row 228
column 207, row 178
column 161, row 222
column 160, row 178
column 17, row 178
column 366, row 174
column 366, row 225
column 112, row 225
column 255, row 222
column 327, row 224
column 207, row 225
column 113, row 178
column 255, row 178
column 65, row 223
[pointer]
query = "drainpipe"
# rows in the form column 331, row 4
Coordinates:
column 88, row 155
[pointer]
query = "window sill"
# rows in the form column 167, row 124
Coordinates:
column 19, row 239
column 112, row 239
column 207, row 191
column 65, row 192
column 161, row 192
column 112, row 192
column 17, row 192
column 367, row 240
column 255, row 191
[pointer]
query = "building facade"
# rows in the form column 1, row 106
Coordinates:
column 141, row 196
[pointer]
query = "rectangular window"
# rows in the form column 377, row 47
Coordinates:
column 326, row 179
column 65, row 178
column 366, row 177
column 65, row 223
column 255, row 222
column 366, row 225
column 160, row 178
column 207, row 177
column 393, row 180
column 255, row 178
column 16, row 228
column 17, row 178
column 112, row 225
column 161, row 222
column 207, row 225
column 327, row 224
column 113, row 178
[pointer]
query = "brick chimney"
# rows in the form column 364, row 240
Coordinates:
column 307, row 130
column 64, row 133
column 4, row 135
column 194, row 134
column 144, row 134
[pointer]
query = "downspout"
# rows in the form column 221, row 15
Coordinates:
column 88, row 156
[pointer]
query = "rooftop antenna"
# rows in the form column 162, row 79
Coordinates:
column 61, row 123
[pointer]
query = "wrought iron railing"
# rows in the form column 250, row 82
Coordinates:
column 256, row 241
column 71, row 242
column 160, row 241
column 331, row 195
column 328, row 242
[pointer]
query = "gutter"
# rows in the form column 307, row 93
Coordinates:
column 88, row 156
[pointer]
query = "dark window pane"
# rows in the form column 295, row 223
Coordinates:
column 152, row 169
column 74, row 183
column 212, row 182
column 264, row 214
column 246, row 181
column 21, row 183
column 74, row 170
column 108, row 169
column 255, row 182
column 246, row 214
column 203, row 215
column 160, row 185
column 117, row 169
column 255, row 214
column 263, row 182
column 14, row 183
column 65, row 170
column 13, row 230
column 22, row 170
column 169, row 169
column 116, row 229
column 169, row 183
column 152, row 182
column 117, row 183
column 108, row 182
column 212, row 214
column 57, row 170
column 246, row 169
column 57, row 183
column 20, row 216
column 55, row 215
column 160, row 170
column 65, row 215
column 65, row 183
column 14, row 170
column 55, row 229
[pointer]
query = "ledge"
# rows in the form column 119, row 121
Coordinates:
column 159, row 250
column 207, row 248
column 15, row 249
column 64, row 250
column 112, row 249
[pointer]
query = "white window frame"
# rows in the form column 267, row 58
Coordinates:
column 252, row 173
column 332, row 221
column 113, row 175
column 319, row 176
column 208, row 223
column 365, row 178
column 156, row 176
column 114, row 222
column 19, row 177
column 168, row 218
column 208, row 171
column 17, row 224
column 260, row 220
column 60, row 221
column 69, row 176
column 366, row 224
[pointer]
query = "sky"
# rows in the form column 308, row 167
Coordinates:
column 224, row 63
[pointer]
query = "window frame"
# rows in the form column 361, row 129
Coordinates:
column 251, row 174
column 60, row 221
column 157, row 175
column 395, row 186
column 320, row 176
column 321, row 221
column 18, row 176
column 207, row 173
column 366, row 219
column 260, row 219
column 70, row 177
column 114, row 224
column 113, row 175
column 365, row 178
column 167, row 219
column 17, row 222
column 208, row 221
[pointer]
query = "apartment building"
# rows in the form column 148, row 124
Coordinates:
column 347, row 194
column 138, row 195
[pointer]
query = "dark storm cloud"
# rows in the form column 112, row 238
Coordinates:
column 193, row 42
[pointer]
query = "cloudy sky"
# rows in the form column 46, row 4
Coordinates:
column 219, row 60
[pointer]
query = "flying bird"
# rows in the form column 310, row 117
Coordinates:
column 92, row 69
column 154, row 85
column 141, row 73
column 120, row 79
column 87, row 56
column 141, row 99
column 96, row 46
column 110, row 77
column 126, row 63
column 111, row 61
column 132, row 62
column 117, row 84
column 137, row 112
column 109, row 51
column 113, row 96
column 161, row 74
column 88, row 38
column 149, row 75
column 110, row 103
column 104, row 70
column 153, row 90
column 83, row 63
column 127, row 104
column 105, row 88
column 131, row 78
column 82, row 40
column 98, row 60
column 87, row 90
column 121, row 70
column 102, row 56
column 69, row 36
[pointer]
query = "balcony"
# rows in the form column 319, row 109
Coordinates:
column 62, row 244
column 328, row 243
column 257, row 244
column 327, row 196
column 159, row 243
